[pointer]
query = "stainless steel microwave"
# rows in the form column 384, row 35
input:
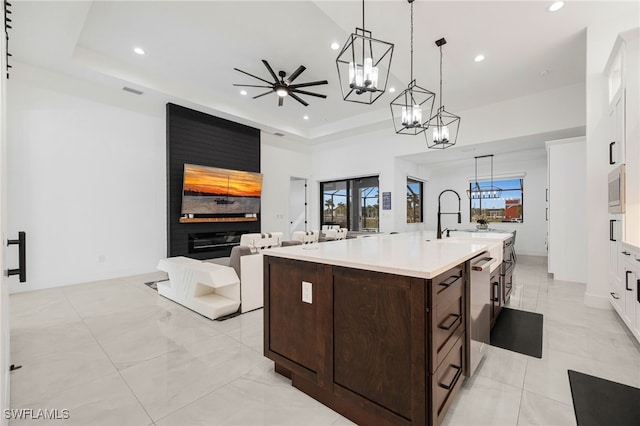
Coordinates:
column 617, row 190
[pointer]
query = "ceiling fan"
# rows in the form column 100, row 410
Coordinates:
column 282, row 86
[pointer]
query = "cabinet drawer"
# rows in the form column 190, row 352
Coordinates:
column 447, row 380
column 449, row 318
column 445, row 280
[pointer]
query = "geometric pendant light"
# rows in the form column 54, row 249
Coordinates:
column 363, row 66
column 414, row 103
column 444, row 125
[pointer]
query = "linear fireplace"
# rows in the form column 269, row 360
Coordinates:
column 214, row 242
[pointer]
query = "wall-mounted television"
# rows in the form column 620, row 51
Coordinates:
column 215, row 191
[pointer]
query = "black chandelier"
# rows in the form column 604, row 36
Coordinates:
column 483, row 192
column 445, row 125
column 363, row 66
column 408, row 108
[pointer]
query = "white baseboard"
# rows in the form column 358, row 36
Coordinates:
column 531, row 252
column 596, row 301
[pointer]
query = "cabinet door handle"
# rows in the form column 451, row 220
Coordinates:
column 626, row 280
column 546, row 213
column 21, row 242
column 611, row 221
column 638, row 290
column 626, row 253
column 455, row 378
column 497, row 290
column 455, row 317
column 617, row 298
column 611, row 153
column 450, row 281
column 546, row 194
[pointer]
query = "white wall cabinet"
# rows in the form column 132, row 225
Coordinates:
column 616, row 130
column 567, row 204
column 623, row 131
column 615, row 265
column 623, row 75
column 627, row 302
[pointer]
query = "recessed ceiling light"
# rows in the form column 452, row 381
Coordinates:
column 555, row 6
column 335, row 45
column 392, row 89
column 243, row 92
column 306, row 117
column 139, row 50
column 479, row 58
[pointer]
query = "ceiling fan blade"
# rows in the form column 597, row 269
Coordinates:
column 273, row 74
column 252, row 85
column 265, row 93
column 299, row 99
column 312, row 83
column 304, row 92
column 251, row 75
column 296, row 73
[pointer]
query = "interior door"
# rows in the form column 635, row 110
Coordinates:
column 4, row 285
column 297, row 205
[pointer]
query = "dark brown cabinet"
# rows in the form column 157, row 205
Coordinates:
column 376, row 347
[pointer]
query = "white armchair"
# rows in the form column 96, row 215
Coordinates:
column 258, row 242
column 211, row 290
column 335, row 234
column 306, row 237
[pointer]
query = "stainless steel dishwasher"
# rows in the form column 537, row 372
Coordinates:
column 480, row 309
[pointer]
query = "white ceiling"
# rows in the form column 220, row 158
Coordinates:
column 192, row 48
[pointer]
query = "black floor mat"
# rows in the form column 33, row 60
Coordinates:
column 518, row 331
column 600, row 402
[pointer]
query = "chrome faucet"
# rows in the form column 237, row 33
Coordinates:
column 439, row 230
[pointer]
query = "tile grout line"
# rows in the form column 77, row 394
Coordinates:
column 111, row 361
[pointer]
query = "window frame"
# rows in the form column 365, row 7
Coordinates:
column 411, row 181
column 496, row 182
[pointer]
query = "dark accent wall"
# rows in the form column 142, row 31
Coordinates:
column 197, row 138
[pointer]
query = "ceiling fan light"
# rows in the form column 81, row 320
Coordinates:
column 282, row 92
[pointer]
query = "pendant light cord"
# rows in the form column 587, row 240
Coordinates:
column 440, row 77
column 363, row 27
column 411, row 42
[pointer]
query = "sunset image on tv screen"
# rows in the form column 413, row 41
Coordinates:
column 211, row 190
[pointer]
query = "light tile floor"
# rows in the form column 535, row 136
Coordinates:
column 116, row 353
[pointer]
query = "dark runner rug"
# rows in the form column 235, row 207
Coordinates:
column 518, row 331
column 600, row 402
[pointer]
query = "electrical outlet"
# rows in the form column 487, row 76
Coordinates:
column 307, row 292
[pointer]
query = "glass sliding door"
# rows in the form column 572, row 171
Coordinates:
column 352, row 203
column 334, row 203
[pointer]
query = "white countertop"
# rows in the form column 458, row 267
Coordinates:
column 414, row 254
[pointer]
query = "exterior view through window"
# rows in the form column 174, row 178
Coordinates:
column 414, row 201
column 352, row 203
column 506, row 208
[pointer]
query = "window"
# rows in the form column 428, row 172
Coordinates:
column 414, row 201
column 352, row 203
column 506, row 208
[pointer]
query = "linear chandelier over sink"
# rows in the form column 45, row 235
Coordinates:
column 485, row 192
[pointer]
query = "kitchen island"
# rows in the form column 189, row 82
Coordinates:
column 376, row 327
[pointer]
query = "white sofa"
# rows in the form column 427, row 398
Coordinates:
column 246, row 260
